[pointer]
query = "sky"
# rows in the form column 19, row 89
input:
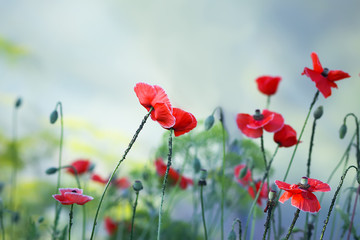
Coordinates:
column 90, row 54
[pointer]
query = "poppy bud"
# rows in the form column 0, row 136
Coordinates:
column 232, row 235
column 40, row 219
column 91, row 168
column 318, row 112
column 342, row 131
column 203, row 174
column 209, row 122
column 196, row 165
column 15, row 217
column 18, row 102
column 137, row 186
column 243, row 172
column 53, row 117
column 272, row 195
column 51, row 170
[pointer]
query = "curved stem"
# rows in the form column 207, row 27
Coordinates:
column 165, row 182
column 203, row 210
column 61, row 142
column 133, row 217
column 353, row 213
column 301, row 133
column 268, row 218
column 357, row 137
column 70, row 220
column 222, row 176
column 296, row 215
column 334, row 198
column 116, row 168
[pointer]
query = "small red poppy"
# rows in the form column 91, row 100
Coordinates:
column 121, row 183
column 324, row 78
column 286, row 137
column 70, row 196
column 110, row 225
column 252, row 126
column 154, row 96
column 267, row 84
column 301, row 194
column 174, row 176
column 82, row 166
column 244, row 180
column 263, row 193
column 184, row 122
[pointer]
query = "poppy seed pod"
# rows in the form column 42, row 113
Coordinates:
column 196, row 164
column 18, row 102
column 232, row 235
column 243, row 172
column 51, row 170
column 318, row 112
column 209, row 122
column 137, row 186
column 54, row 116
column 342, row 131
column 203, row 174
column 272, row 195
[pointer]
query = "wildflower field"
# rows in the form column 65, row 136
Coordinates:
column 175, row 173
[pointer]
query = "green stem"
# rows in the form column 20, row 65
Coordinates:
column 353, row 213
column 70, row 219
column 116, row 168
column 268, row 102
column 334, row 198
column 357, row 137
column 165, row 182
column 264, row 157
column 203, row 210
column 258, row 192
column 296, row 215
column 2, row 220
column 133, row 216
column 268, row 219
column 301, row 133
column 222, row 174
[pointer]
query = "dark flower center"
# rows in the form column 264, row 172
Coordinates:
column 73, row 191
column 325, row 72
column 258, row 116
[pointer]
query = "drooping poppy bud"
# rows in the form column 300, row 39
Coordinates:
column 18, row 102
column 196, row 164
column 232, row 235
column 209, row 122
column 318, row 112
column 342, row 131
column 51, row 170
column 54, row 116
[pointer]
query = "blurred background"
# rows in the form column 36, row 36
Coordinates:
column 90, row 54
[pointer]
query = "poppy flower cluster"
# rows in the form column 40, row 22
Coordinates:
column 174, row 176
column 155, row 98
column 70, row 196
column 323, row 77
column 121, row 183
column 248, row 182
column 81, row 166
column 301, row 194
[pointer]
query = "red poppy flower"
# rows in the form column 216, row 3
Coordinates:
column 324, row 78
column 110, row 225
column 70, row 196
column 263, row 193
column 301, row 194
column 268, row 85
column 244, row 180
column 82, row 166
column 174, row 176
column 154, row 96
column 184, row 122
column 121, row 183
column 252, row 126
column 286, row 137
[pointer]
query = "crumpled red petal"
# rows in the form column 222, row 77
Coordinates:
column 306, row 201
column 77, row 198
column 276, row 124
column 336, row 75
column 316, row 63
column 318, row 186
column 163, row 115
column 242, row 120
column 184, row 122
column 286, row 137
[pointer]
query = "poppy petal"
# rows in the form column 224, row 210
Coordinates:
column 285, row 196
column 335, row 75
column 282, row 185
column 77, row 198
column 322, row 84
column 163, row 115
column 145, row 93
column 316, row 63
column 255, row 124
column 306, row 201
column 99, row 179
column 276, row 124
column 184, row 122
column 65, row 190
column 62, row 199
column 318, row 186
column 267, row 84
column 286, row 137
column 160, row 97
column 242, row 121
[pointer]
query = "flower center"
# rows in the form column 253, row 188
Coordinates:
column 325, row 72
column 304, row 183
column 258, row 116
column 73, row 191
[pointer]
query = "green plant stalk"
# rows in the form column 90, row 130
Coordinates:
column 353, row 213
column 334, row 198
column 203, row 211
column 268, row 102
column 133, row 216
column 57, row 204
column 345, row 156
column 357, row 137
column 268, row 220
column 2, row 220
column 296, row 215
column 306, row 229
column 165, row 182
column 258, row 192
column 116, row 168
column 222, row 175
column 264, row 156
column 70, row 220
column 301, row 133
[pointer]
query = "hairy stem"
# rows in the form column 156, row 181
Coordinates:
column 133, row 216
column 203, row 210
column 296, row 215
column 353, row 213
column 222, row 174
